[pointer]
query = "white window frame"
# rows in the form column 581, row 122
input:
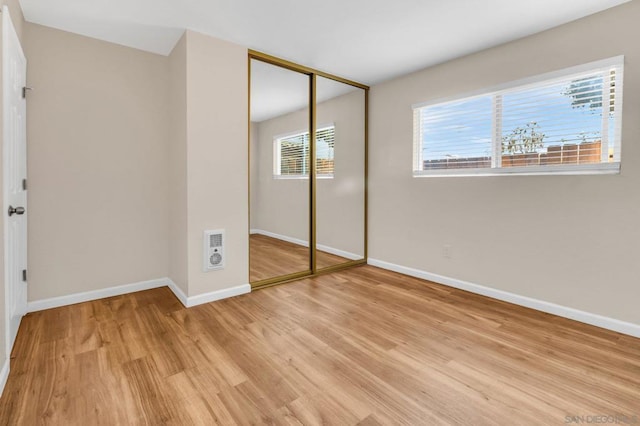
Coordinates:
column 496, row 158
column 277, row 157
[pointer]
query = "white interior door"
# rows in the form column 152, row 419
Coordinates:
column 15, row 174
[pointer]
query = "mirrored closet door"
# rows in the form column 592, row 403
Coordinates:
column 307, row 167
column 340, row 186
column 279, row 175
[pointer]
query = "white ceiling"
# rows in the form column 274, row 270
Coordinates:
column 368, row 41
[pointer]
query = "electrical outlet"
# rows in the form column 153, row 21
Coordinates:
column 446, row 251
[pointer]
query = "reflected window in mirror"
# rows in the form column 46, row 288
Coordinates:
column 291, row 154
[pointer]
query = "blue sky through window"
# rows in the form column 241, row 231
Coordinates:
column 463, row 129
column 457, row 129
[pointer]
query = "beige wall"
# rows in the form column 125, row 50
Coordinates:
column 16, row 17
column 98, row 161
column 178, row 254
column 18, row 21
column 131, row 157
column 521, row 234
column 217, row 172
column 283, row 204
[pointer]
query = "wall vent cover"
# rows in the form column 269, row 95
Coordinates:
column 214, row 250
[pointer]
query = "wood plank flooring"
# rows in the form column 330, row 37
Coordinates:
column 271, row 257
column 362, row 346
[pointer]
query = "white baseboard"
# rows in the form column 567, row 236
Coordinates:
column 178, row 292
column 540, row 305
column 200, row 299
column 280, row 237
column 4, row 375
column 338, row 252
column 71, row 299
column 218, row 295
column 326, row 249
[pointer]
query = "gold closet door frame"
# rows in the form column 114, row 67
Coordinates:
column 313, row 74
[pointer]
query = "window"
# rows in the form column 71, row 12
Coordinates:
column 291, row 154
column 564, row 122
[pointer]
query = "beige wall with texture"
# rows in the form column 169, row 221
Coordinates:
column 98, row 161
column 217, row 166
column 569, row 240
column 132, row 156
column 178, row 253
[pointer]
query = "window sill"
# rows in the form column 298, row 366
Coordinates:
column 584, row 169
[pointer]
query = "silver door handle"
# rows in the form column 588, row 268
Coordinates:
column 16, row 210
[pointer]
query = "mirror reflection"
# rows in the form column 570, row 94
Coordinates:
column 340, row 186
column 279, row 172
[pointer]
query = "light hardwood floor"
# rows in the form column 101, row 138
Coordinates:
column 271, row 257
column 362, row 346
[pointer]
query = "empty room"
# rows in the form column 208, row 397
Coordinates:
column 303, row 213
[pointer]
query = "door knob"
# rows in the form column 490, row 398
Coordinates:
column 16, row 210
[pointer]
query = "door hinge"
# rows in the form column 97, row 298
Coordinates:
column 24, row 275
column 24, row 184
column 24, row 91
